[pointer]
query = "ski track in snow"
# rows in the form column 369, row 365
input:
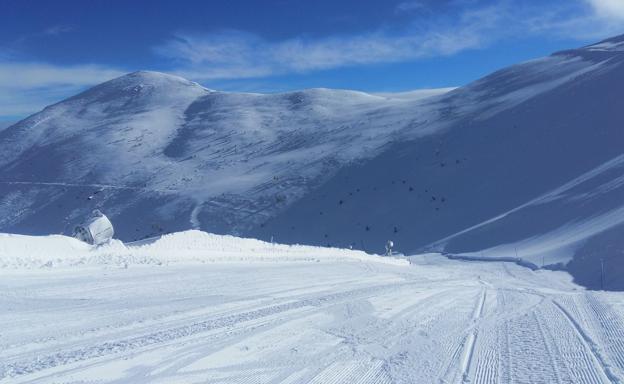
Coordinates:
column 437, row 321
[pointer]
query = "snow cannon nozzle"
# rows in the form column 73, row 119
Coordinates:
column 95, row 230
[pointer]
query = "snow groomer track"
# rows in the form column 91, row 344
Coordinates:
column 287, row 315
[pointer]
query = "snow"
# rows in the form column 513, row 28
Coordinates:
column 152, row 144
column 523, row 168
column 607, row 46
column 418, row 94
column 349, row 318
column 32, row 252
column 528, row 166
column 156, row 143
column 613, row 44
column 472, row 171
column 559, row 245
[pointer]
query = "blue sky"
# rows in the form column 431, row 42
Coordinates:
column 50, row 50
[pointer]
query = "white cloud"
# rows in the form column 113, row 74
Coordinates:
column 409, row 6
column 28, row 87
column 611, row 9
column 20, row 75
column 19, row 102
column 233, row 57
column 57, row 30
column 235, row 54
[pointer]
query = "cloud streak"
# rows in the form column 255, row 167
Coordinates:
column 26, row 87
column 410, row 6
column 19, row 75
column 609, row 9
column 57, row 30
column 237, row 55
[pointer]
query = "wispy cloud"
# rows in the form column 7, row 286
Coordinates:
column 582, row 20
column 20, row 75
column 27, row 87
column 612, row 9
column 5, row 54
column 236, row 54
column 409, row 6
column 57, row 30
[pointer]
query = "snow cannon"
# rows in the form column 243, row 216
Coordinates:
column 389, row 246
column 95, row 230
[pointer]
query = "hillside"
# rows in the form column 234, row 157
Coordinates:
column 524, row 163
column 529, row 166
column 158, row 153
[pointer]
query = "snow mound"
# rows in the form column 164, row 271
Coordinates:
column 28, row 252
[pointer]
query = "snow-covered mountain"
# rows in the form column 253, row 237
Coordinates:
column 526, row 162
column 159, row 153
column 529, row 165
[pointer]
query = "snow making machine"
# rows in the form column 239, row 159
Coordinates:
column 95, row 230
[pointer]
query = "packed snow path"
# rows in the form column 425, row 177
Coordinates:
column 436, row 321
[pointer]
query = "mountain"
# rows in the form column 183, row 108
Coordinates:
column 530, row 166
column 525, row 163
column 158, row 153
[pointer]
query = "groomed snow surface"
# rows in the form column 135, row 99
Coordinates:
column 198, row 308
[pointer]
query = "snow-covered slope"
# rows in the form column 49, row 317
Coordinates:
column 338, row 322
column 528, row 166
column 524, row 159
column 158, row 153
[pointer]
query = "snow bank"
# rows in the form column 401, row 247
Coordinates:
column 24, row 251
column 19, row 251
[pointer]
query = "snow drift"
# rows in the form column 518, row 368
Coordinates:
column 27, row 252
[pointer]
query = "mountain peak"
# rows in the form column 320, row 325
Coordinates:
column 150, row 78
column 141, row 84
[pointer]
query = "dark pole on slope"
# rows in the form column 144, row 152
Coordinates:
column 602, row 274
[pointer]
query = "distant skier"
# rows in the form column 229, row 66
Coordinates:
column 389, row 245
